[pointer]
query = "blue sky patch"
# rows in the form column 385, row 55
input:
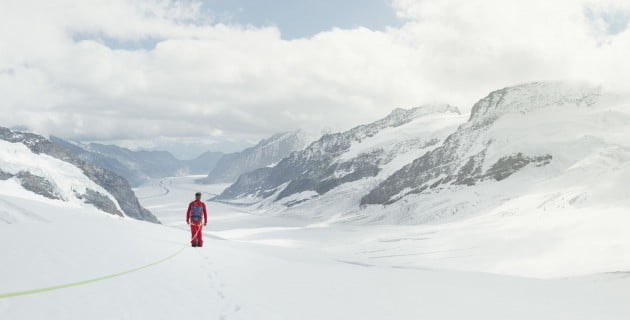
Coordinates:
column 304, row 18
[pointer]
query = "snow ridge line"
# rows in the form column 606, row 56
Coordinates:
column 84, row 282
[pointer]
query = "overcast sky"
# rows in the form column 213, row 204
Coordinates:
column 222, row 74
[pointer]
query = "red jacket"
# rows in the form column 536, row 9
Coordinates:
column 197, row 203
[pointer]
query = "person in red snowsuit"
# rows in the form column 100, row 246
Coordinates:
column 194, row 215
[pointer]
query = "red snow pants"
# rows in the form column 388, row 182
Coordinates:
column 195, row 231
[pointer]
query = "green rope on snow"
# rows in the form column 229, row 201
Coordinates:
column 84, row 282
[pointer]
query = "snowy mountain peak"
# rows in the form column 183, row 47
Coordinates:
column 400, row 116
column 423, row 110
column 338, row 142
column 530, row 96
column 278, row 137
column 267, row 152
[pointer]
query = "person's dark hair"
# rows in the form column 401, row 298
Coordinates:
column 198, row 195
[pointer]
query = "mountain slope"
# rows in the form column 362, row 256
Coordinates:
column 202, row 164
column 134, row 177
column 475, row 152
column 367, row 151
column 52, row 171
column 552, row 143
column 267, row 152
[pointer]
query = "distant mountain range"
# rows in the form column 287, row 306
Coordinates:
column 139, row 166
column 338, row 163
column 559, row 145
column 266, row 153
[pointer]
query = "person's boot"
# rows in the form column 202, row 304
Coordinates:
column 194, row 243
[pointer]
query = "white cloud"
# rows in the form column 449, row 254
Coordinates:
column 238, row 83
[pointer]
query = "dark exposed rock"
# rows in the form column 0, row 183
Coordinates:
column 120, row 189
column 5, row 175
column 469, row 173
column 508, row 165
column 100, row 201
column 38, row 185
column 357, row 168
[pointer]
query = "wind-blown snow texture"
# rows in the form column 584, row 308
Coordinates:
column 104, row 190
column 267, row 152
